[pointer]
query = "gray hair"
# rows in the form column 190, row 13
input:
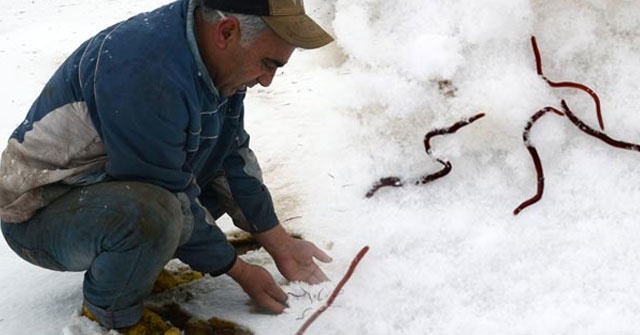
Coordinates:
column 251, row 26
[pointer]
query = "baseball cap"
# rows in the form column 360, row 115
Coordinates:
column 286, row 18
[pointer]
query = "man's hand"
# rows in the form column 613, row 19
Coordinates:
column 259, row 285
column 295, row 262
column 294, row 258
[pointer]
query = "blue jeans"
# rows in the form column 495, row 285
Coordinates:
column 121, row 233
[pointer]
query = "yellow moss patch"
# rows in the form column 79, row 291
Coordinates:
column 169, row 278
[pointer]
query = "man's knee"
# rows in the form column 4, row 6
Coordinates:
column 138, row 213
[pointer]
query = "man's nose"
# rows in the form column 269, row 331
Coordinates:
column 266, row 79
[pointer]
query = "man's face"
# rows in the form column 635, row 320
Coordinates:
column 255, row 64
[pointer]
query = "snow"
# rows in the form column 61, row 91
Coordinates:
column 448, row 257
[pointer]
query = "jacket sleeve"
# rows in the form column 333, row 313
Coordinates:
column 252, row 196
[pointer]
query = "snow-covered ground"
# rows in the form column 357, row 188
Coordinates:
column 448, row 257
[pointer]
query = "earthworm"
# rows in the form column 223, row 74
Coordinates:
column 536, row 158
column 383, row 182
column 573, row 118
column 581, row 87
column 597, row 134
column 335, row 292
column 397, row 182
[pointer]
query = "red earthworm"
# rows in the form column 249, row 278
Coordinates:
column 387, row 181
column 335, row 292
column 448, row 130
column 597, row 134
column 397, row 182
column 433, row 176
column 581, row 87
column 536, row 158
column 442, row 131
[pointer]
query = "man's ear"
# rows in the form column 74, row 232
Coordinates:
column 227, row 32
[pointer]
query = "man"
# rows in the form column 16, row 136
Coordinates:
column 137, row 142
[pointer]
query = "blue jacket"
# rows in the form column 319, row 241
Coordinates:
column 135, row 102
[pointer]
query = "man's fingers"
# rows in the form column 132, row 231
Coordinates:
column 317, row 277
column 271, row 305
column 322, row 256
column 261, row 287
column 273, row 298
column 278, row 294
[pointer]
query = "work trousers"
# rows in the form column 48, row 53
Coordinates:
column 121, row 233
